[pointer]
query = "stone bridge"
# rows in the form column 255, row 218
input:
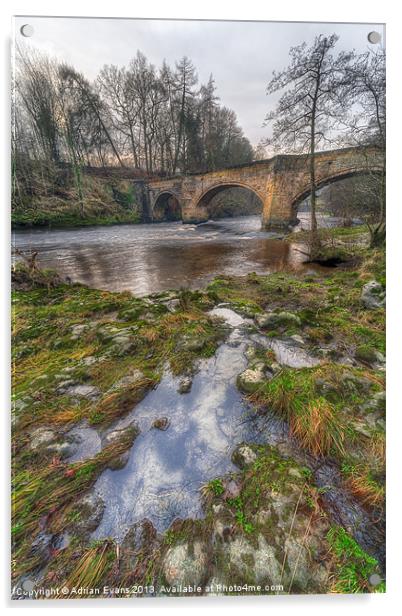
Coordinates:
column 281, row 183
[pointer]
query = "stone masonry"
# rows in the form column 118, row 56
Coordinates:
column 280, row 182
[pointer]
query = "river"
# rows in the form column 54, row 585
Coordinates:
column 151, row 258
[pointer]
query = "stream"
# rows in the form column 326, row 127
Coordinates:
column 166, row 468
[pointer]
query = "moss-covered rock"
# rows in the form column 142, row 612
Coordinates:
column 252, row 378
column 275, row 320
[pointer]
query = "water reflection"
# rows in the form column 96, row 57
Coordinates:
column 146, row 259
column 165, row 470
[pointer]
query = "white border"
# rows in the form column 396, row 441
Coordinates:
column 292, row 10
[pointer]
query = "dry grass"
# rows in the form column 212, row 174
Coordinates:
column 93, row 566
column 368, row 491
column 317, row 428
column 118, row 403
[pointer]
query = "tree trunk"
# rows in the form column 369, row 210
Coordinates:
column 314, row 249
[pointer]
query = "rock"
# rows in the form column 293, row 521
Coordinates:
column 217, row 508
column 140, row 536
column 373, row 295
column 259, row 563
column 162, row 423
column 89, row 361
column 363, row 428
column 376, row 404
column 347, row 361
column 172, row 305
column 252, row 378
column 90, row 392
column 62, row 450
column 360, row 383
column 41, row 437
column 185, row 385
column 294, row 472
column 232, row 488
column 298, row 340
column 273, row 320
column 367, row 354
column 115, row 436
column 78, row 330
column 120, row 461
column 90, row 508
column 185, row 566
column 64, row 384
column 326, row 388
column 129, row 380
column 250, row 352
column 42, row 545
column 243, row 455
column 298, row 561
column 190, row 343
column 123, row 345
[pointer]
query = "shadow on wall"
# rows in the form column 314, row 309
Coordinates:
column 232, row 202
column 167, row 208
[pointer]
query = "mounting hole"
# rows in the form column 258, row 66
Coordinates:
column 374, row 37
column 27, row 30
column 375, row 579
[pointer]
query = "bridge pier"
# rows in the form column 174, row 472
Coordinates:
column 277, row 212
column 193, row 213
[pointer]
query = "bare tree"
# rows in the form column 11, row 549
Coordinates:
column 366, row 126
column 309, row 110
column 154, row 119
column 75, row 80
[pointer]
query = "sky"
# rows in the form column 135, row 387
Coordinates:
column 240, row 55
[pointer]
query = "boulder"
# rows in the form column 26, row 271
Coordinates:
column 78, row 330
column 297, row 340
column 119, row 462
column 373, row 295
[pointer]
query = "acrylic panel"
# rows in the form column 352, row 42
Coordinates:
column 198, row 374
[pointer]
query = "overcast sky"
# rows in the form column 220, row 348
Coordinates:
column 240, row 55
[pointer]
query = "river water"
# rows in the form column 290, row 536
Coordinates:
column 151, row 258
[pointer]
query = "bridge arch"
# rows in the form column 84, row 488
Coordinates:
column 331, row 179
column 301, row 195
column 203, row 201
column 166, row 207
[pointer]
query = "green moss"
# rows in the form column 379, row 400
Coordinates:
column 366, row 354
column 353, row 565
column 216, row 487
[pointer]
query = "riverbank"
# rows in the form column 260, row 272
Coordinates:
column 105, row 201
column 57, row 220
column 84, row 358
